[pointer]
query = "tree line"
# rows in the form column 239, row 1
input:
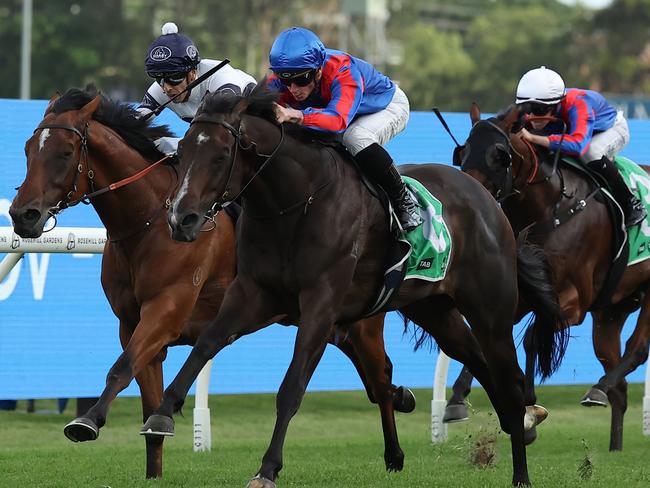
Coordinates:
column 442, row 53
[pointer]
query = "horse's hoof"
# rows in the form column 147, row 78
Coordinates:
column 535, row 415
column 260, row 482
column 455, row 412
column 81, row 429
column 158, row 426
column 404, row 400
column 595, row 398
column 530, row 435
column 395, row 465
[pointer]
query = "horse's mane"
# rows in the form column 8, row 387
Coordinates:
column 260, row 103
column 122, row 117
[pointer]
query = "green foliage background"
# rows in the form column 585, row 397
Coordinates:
column 451, row 52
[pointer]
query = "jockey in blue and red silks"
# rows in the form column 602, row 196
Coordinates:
column 331, row 91
column 596, row 132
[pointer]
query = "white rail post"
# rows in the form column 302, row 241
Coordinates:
column 8, row 263
column 86, row 240
column 202, row 428
column 646, row 401
column 438, row 428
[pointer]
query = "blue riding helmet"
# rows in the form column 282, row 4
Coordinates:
column 296, row 48
column 171, row 52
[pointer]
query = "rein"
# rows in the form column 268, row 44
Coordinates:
column 559, row 216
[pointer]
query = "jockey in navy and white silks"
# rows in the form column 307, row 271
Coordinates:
column 331, row 91
column 173, row 61
column 595, row 131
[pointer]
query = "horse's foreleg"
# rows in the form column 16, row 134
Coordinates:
column 316, row 321
column 161, row 320
column 367, row 337
column 244, row 310
column 150, row 381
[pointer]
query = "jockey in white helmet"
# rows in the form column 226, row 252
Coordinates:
column 595, row 131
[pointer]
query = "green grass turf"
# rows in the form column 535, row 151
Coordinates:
column 335, row 440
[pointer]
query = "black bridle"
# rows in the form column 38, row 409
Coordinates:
column 503, row 184
column 83, row 158
column 224, row 200
column 90, row 174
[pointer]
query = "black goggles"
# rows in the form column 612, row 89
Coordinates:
column 537, row 109
column 301, row 78
column 169, row 78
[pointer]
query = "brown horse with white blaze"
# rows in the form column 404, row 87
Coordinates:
column 164, row 292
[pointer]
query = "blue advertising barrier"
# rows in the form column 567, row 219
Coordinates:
column 58, row 336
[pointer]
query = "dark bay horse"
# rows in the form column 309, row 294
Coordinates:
column 163, row 292
column 312, row 244
column 579, row 252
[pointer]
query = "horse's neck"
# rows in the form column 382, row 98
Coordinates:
column 539, row 200
column 126, row 209
column 295, row 172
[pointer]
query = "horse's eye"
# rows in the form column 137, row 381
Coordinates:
column 66, row 154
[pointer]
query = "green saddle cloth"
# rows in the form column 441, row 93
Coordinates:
column 429, row 243
column 639, row 182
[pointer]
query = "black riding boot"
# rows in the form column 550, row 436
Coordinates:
column 632, row 207
column 378, row 165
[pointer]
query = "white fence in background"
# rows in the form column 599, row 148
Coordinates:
column 439, row 429
column 84, row 240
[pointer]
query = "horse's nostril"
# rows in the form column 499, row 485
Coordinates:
column 189, row 220
column 31, row 215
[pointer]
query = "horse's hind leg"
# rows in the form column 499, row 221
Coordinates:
column 403, row 398
column 456, row 409
column 492, row 326
column 367, row 338
column 441, row 320
column 612, row 387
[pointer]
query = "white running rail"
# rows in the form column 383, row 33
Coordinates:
column 86, row 240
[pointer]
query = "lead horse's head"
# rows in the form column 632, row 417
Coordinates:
column 213, row 165
column 495, row 155
column 56, row 158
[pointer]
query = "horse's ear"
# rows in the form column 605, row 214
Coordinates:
column 511, row 116
column 475, row 113
column 50, row 104
column 88, row 110
column 241, row 107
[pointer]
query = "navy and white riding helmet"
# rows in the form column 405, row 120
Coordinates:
column 171, row 52
column 296, row 48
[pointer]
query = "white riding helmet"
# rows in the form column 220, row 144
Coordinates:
column 540, row 85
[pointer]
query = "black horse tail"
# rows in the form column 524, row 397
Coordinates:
column 550, row 334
